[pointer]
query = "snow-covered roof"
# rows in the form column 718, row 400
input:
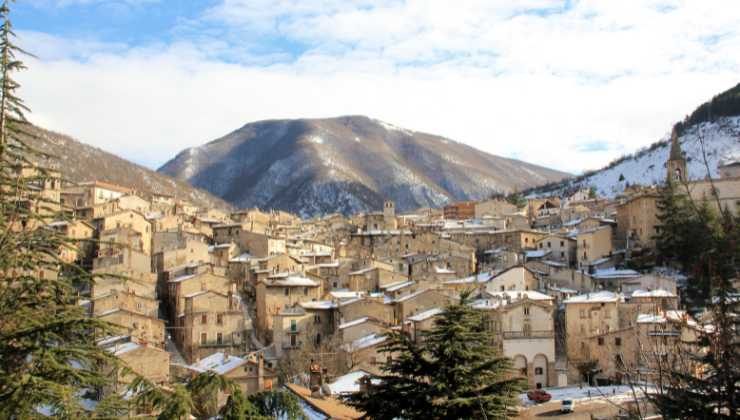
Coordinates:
column 367, row 341
column 183, row 278
column 245, row 257
column 421, row 316
column 346, row 294
column 443, row 270
column 219, row 363
column 479, row 278
column 293, row 281
column 318, row 304
column 554, row 263
column 653, row 293
column 520, row 294
column 362, row 271
column 352, row 323
column 614, row 273
column 329, row 265
column 596, row 297
column 392, row 287
column 537, row 254
column 347, row 384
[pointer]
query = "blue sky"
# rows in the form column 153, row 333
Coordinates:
column 566, row 84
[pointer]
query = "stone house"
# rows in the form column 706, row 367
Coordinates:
column 494, row 208
column 211, row 322
column 593, row 245
column 249, row 373
column 120, row 299
column 280, row 291
column 637, row 220
column 82, row 233
column 87, row 194
column 134, row 202
column 138, row 283
column 562, row 248
column 306, row 326
column 522, row 325
column 190, row 284
column 515, row 278
column 372, row 278
column 418, row 302
column 145, row 329
column 150, row 362
column 372, row 307
column 128, row 219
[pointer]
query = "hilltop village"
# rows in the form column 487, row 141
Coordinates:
column 270, row 300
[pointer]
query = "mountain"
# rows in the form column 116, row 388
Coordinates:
column 79, row 162
column 346, row 164
column 715, row 123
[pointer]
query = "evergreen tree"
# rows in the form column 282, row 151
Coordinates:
column 454, row 373
column 48, row 357
column 702, row 380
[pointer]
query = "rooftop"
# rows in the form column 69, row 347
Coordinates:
column 220, row 363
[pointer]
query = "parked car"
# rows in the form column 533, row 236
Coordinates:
column 538, row 396
column 567, row 406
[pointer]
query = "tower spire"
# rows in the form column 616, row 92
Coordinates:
column 676, row 164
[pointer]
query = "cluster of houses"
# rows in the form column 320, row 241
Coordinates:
column 269, row 299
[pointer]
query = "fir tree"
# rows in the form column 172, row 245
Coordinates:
column 702, row 380
column 454, row 373
column 48, row 357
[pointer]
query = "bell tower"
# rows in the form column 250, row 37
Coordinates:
column 676, row 165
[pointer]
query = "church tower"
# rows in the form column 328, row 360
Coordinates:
column 389, row 215
column 676, row 164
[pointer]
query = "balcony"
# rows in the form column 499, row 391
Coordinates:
column 524, row 335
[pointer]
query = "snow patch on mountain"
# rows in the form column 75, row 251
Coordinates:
column 718, row 141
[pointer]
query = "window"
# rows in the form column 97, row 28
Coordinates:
column 549, row 245
column 526, row 310
column 583, row 313
column 562, row 243
column 293, row 341
column 204, row 319
column 219, row 338
column 601, row 341
column 562, row 254
column 287, row 292
column 617, row 341
column 305, row 291
column 203, row 338
column 220, row 319
column 538, row 371
column 317, row 319
column 293, row 325
column 318, row 339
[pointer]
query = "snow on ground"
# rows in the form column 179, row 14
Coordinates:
column 721, row 140
column 612, row 392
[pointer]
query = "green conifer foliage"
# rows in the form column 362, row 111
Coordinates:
column 454, row 372
column 48, row 357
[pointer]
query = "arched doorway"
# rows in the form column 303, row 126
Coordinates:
column 520, row 365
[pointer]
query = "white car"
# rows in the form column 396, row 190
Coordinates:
column 567, row 406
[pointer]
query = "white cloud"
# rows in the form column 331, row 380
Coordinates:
column 534, row 84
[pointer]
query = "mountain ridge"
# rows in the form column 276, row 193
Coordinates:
column 79, row 162
column 354, row 161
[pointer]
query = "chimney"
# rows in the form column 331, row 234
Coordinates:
column 260, row 371
column 316, row 379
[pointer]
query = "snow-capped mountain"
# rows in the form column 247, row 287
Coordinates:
column 348, row 165
column 710, row 135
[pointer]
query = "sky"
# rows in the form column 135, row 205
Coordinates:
column 569, row 85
